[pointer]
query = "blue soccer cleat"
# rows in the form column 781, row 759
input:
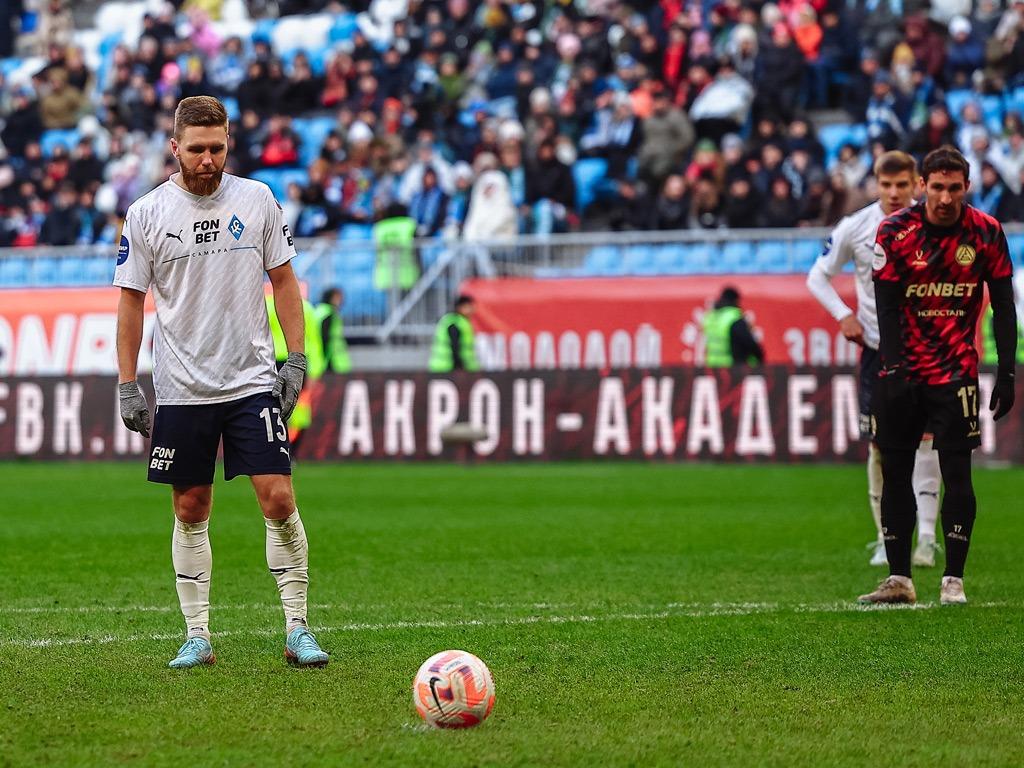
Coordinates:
column 302, row 650
column 195, row 652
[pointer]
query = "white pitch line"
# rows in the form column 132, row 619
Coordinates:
column 674, row 610
column 86, row 609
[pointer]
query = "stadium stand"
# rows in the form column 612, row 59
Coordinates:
column 632, row 101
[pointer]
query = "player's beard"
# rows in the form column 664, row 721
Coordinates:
column 201, row 183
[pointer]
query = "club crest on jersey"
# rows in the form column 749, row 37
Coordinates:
column 879, row 260
column 235, row 227
column 965, row 255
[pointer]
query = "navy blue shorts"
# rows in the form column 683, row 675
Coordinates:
column 185, row 440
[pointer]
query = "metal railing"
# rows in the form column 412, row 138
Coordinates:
column 390, row 313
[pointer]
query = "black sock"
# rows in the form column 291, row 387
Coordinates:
column 959, row 508
column 899, row 509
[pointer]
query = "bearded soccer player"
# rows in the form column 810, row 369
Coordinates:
column 853, row 240
column 203, row 241
column 931, row 261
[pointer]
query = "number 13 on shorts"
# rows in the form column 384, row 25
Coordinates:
column 272, row 417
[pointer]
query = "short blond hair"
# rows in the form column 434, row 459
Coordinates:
column 894, row 162
column 199, row 111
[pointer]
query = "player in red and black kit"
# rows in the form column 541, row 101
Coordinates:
column 931, row 260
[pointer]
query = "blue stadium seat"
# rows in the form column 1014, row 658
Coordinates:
column 430, row 253
column 343, row 29
column 736, row 257
column 832, row 138
column 70, row 270
column 43, row 271
column 639, row 260
column 604, row 260
column 1015, row 101
column 353, row 231
column 278, row 179
column 670, row 259
column 772, row 256
column 14, row 271
column 317, row 57
column 955, row 101
column 98, row 271
column 7, row 66
column 312, row 131
column 54, row 137
column 1016, row 245
column 805, row 253
column 587, row 174
column 231, row 106
column 264, row 30
column 992, row 112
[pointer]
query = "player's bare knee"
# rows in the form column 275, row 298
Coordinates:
column 277, row 499
column 192, row 504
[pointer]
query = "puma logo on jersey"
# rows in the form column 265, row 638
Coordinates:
column 175, row 236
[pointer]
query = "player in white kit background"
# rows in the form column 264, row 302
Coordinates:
column 853, row 240
column 203, row 242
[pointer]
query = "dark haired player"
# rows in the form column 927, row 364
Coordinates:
column 930, row 263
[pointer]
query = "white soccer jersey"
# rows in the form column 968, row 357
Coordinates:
column 853, row 239
column 205, row 258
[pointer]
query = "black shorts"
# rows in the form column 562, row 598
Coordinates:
column 870, row 362
column 185, row 439
column 902, row 412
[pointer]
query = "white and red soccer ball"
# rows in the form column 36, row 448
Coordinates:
column 453, row 689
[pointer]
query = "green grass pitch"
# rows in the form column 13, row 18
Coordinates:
column 631, row 614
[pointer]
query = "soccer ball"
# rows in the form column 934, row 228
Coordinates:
column 453, row 689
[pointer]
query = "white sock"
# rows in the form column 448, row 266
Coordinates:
column 288, row 560
column 875, row 486
column 926, row 489
column 193, row 563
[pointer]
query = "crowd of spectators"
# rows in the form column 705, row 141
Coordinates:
column 471, row 115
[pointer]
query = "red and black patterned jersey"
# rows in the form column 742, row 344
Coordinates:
column 940, row 271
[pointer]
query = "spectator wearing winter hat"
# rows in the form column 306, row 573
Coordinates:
column 964, row 53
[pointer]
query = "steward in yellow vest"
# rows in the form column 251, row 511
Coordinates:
column 397, row 265
column 453, row 348
column 332, row 331
column 727, row 337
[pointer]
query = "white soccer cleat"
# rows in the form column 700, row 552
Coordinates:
column 952, row 592
column 878, row 556
column 895, row 589
column 924, row 552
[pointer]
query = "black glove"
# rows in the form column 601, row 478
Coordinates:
column 289, row 382
column 1002, row 395
column 134, row 408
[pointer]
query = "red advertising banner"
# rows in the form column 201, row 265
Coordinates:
column 63, row 331
column 780, row 413
column 647, row 321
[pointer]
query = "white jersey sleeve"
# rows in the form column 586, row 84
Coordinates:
column 278, row 244
column 134, row 256
column 853, row 240
column 836, row 254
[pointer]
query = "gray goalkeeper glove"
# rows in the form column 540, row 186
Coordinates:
column 134, row 408
column 289, row 382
